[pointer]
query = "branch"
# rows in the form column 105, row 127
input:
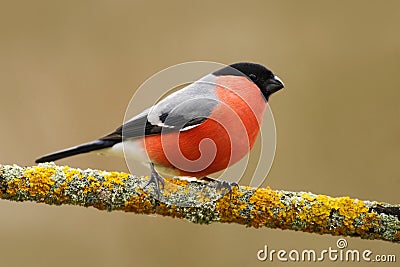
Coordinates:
column 199, row 203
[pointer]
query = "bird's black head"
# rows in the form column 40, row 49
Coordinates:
column 260, row 75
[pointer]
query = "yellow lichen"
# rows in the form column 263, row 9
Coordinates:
column 37, row 181
column 69, row 174
column 179, row 182
column 186, row 190
column 266, row 201
column 230, row 206
column 317, row 213
column 93, row 186
column 17, row 184
column 59, row 192
column 140, row 203
column 170, row 188
column 397, row 235
column 114, row 178
column 244, row 205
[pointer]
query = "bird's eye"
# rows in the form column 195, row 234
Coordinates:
column 253, row 77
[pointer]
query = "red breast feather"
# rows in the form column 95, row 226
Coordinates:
column 233, row 127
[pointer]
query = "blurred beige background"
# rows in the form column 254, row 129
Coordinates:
column 69, row 68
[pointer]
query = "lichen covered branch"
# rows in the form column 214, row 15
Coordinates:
column 200, row 203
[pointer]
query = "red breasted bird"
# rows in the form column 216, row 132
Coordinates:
column 196, row 131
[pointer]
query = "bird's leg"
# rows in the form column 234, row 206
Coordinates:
column 220, row 184
column 156, row 179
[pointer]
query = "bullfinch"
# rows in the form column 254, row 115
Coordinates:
column 198, row 130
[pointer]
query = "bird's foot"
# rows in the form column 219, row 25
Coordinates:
column 156, row 179
column 220, row 184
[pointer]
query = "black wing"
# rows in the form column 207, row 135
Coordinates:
column 140, row 126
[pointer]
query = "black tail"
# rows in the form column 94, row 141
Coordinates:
column 84, row 148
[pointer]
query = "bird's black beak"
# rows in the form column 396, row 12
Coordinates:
column 274, row 84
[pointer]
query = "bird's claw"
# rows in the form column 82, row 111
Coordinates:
column 221, row 185
column 156, row 179
column 224, row 186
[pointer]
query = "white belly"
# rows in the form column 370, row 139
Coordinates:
column 132, row 149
